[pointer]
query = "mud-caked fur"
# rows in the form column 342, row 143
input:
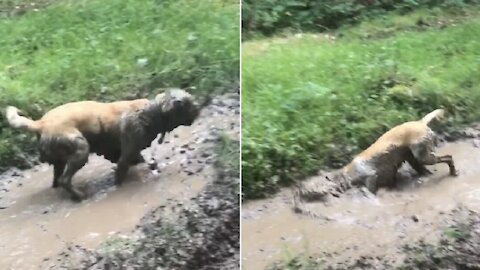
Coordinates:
column 68, row 133
column 140, row 127
column 412, row 142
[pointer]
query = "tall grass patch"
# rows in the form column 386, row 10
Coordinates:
column 112, row 49
column 267, row 17
column 311, row 102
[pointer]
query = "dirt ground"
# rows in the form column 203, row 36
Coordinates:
column 200, row 234
column 182, row 215
column 395, row 228
column 457, row 248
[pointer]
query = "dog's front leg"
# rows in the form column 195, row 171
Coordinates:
column 122, row 170
column 130, row 151
column 58, row 169
column 152, row 163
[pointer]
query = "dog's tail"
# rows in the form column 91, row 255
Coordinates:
column 437, row 114
column 17, row 121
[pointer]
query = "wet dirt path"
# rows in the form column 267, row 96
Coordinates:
column 37, row 221
column 357, row 225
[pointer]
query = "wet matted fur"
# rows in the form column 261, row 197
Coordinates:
column 377, row 166
column 117, row 130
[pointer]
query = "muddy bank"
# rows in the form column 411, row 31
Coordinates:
column 354, row 225
column 458, row 247
column 39, row 222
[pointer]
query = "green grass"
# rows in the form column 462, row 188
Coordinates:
column 310, row 102
column 228, row 152
column 297, row 263
column 93, row 49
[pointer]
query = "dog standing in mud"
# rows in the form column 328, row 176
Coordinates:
column 117, row 130
column 377, row 166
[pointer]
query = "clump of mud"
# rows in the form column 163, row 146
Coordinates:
column 200, row 234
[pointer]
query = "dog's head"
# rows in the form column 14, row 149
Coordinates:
column 180, row 104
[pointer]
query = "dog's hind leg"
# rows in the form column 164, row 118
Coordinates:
column 425, row 155
column 449, row 160
column 416, row 165
column 75, row 162
column 58, row 169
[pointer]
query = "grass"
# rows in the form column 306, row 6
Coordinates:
column 312, row 101
column 295, row 260
column 228, row 152
column 111, row 49
column 12, row 8
column 297, row 263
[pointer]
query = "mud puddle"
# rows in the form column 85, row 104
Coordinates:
column 37, row 221
column 355, row 225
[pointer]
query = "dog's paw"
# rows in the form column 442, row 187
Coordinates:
column 118, row 181
column 78, row 196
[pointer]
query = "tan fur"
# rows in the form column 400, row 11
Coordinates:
column 68, row 133
column 377, row 166
column 76, row 117
column 405, row 134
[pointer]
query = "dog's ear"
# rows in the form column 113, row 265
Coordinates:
column 168, row 101
column 190, row 89
column 160, row 97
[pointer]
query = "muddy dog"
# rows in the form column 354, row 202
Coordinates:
column 377, row 166
column 118, row 130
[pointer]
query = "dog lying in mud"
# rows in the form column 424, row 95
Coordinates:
column 118, row 130
column 377, row 166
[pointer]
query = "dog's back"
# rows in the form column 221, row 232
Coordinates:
column 86, row 117
column 95, row 121
column 403, row 135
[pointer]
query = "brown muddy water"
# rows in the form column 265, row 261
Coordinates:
column 37, row 221
column 355, row 225
column 41, row 220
